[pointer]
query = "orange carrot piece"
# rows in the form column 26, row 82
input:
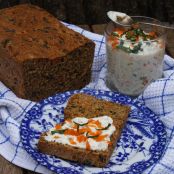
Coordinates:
column 81, row 138
column 96, row 122
column 92, row 125
column 98, row 132
column 84, row 129
column 153, row 34
column 111, row 38
column 58, row 126
column 115, row 43
column 119, row 30
column 72, row 141
column 71, row 132
column 101, row 137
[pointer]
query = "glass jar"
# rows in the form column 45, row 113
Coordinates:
column 132, row 65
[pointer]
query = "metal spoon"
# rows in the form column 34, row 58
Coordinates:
column 126, row 21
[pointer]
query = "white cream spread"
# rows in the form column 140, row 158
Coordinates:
column 90, row 134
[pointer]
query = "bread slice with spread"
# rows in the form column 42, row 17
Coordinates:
column 89, row 133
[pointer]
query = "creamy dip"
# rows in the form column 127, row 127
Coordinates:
column 90, row 134
column 133, row 60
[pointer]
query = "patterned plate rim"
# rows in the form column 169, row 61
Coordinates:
column 137, row 167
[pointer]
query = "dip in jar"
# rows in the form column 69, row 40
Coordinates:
column 134, row 57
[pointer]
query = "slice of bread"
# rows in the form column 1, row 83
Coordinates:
column 83, row 105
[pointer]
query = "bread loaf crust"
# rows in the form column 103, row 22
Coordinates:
column 89, row 157
column 43, row 55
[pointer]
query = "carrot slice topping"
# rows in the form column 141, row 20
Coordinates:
column 98, row 132
column 152, row 33
column 92, row 125
column 84, row 129
column 81, row 138
column 111, row 38
column 72, row 141
column 115, row 43
column 120, row 31
column 101, row 137
column 58, row 126
column 88, row 147
column 71, row 132
column 95, row 122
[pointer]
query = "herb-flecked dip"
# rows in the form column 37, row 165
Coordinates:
column 134, row 59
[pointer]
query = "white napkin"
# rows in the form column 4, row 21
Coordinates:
column 159, row 97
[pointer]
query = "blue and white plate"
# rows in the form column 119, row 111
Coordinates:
column 141, row 144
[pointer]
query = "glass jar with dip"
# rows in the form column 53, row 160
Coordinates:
column 134, row 55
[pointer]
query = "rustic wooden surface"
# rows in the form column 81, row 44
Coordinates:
column 9, row 168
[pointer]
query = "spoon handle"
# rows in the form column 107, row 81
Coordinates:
column 158, row 25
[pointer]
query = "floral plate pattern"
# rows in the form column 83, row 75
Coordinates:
column 141, row 144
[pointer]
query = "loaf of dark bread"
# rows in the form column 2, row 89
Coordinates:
column 82, row 105
column 39, row 56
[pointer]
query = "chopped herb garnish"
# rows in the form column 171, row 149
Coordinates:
column 136, row 48
column 134, row 36
column 94, row 136
column 81, row 124
column 78, row 125
column 58, row 131
column 133, row 39
column 148, row 43
column 115, row 34
column 105, row 128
